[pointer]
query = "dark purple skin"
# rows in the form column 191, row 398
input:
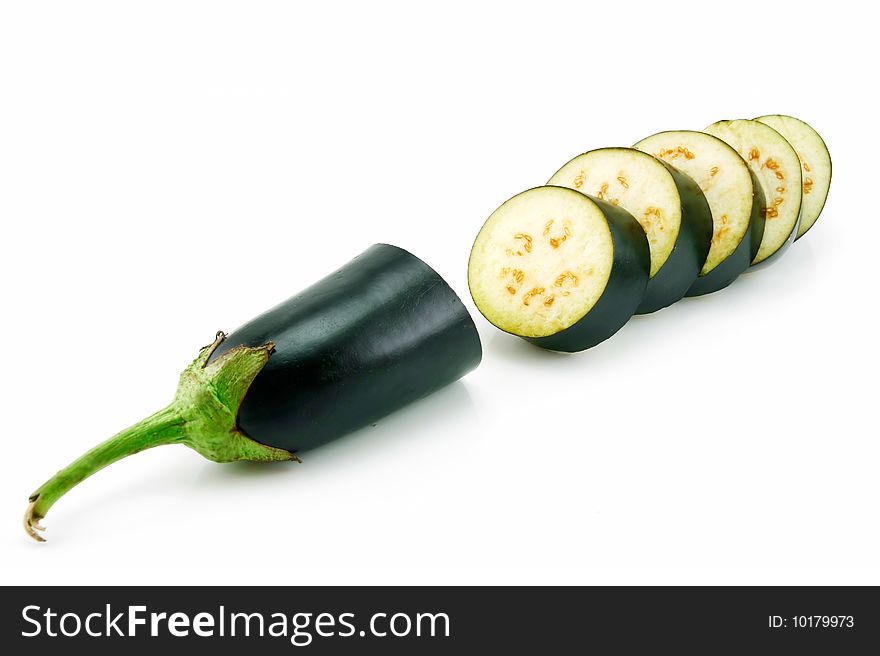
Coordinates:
column 680, row 271
column 379, row 333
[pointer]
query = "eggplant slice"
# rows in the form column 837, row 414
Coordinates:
column 776, row 166
column 667, row 203
column 730, row 191
column 815, row 164
column 559, row 268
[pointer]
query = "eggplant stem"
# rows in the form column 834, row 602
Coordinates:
column 32, row 523
column 203, row 416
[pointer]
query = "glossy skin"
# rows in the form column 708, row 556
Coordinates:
column 623, row 293
column 379, row 333
column 684, row 264
column 741, row 259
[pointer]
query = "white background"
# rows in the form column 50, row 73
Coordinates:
column 168, row 169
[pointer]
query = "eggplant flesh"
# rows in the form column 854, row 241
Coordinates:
column 623, row 292
column 379, row 333
column 777, row 169
column 815, row 165
column 559, row 268
column 668, row 205
column 733, row 197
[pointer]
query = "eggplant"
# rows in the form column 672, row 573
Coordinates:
column 559, row 268
column 398, row 333
column 815, row 165
column 668, row 204
column 379, row 333
column 777, row 169
column 733, row 195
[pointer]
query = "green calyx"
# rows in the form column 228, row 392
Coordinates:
column 203, row 416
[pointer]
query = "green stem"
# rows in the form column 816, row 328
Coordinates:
column 164, row 427
column 203, row 416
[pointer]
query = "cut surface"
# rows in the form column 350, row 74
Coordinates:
column 778, row 170
column 722, row 175
column 815, row 164
column 636, row 182
column 541, row 261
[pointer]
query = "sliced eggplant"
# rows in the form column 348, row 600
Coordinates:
column 730, row 191
column 667, row 203
column 559, row 268
column 815, row 165
column 777, row 169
